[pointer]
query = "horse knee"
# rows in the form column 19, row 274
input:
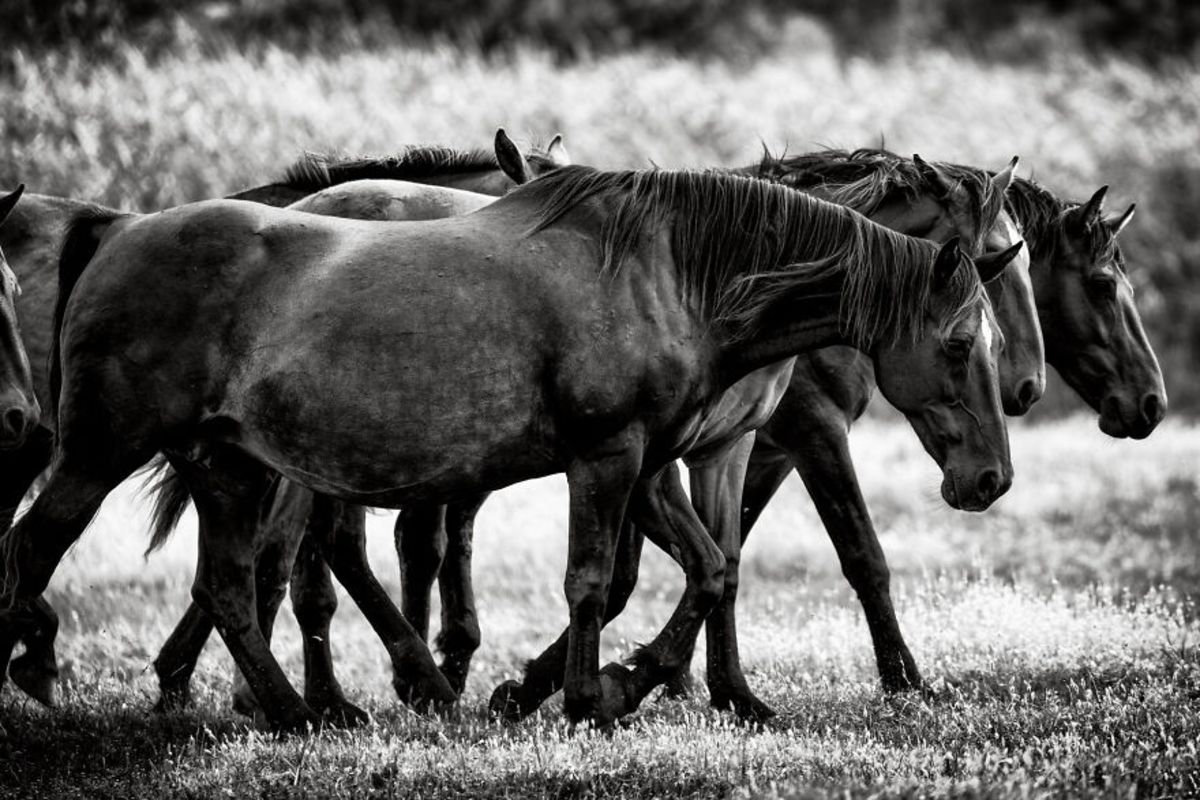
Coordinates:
column 709, row 582
column 867, row 574
column 313, row 608
column 586, row 592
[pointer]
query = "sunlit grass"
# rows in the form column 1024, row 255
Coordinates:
column 1040, row 684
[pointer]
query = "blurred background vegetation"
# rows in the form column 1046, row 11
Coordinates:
column 148, row 103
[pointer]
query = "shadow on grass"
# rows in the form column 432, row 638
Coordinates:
column 89, row 751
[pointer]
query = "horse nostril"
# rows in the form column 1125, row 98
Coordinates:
column 1028, row 394
column 1153, row 408
column 988, row 485
column 14, row 422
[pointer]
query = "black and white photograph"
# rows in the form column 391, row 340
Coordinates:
column 784, row 399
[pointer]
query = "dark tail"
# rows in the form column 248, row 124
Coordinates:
column 171, row 499
column 84, row 234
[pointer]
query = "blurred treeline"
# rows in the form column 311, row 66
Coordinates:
column 1149, row 30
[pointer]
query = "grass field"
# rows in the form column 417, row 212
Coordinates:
column 1059, row 631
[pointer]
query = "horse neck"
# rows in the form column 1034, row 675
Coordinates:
column 813, row 322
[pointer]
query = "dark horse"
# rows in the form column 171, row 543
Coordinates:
column 34, row 236
column 18, row 406
column 585, row 324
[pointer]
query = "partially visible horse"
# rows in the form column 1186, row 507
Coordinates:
column 596, row 343
column 18, row 406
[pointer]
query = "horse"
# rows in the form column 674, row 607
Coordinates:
column 35, row 236
column 1072, row 245
column 585, row 323
column 18, row 405
column 916, row 197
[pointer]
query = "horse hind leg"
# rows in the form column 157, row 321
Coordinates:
column 314, row 602
column 229, row 495
column 176, row 660
column 459, row 636
column 342, row 539
column 420, row 535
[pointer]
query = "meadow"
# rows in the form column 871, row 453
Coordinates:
column 1058, row 630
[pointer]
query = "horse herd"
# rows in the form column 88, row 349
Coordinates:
column 416, row 331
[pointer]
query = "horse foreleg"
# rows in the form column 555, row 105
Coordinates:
column 599, row 491
column 340, row 531
column 662, row 510
column 717, row 498
column 459, row 636
column 420, row 546
column 36, row 670
column 31, row 552
column 512, row 700
column 822, row 456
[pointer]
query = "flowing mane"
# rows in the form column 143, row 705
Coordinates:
column 1039, row 213
column 866, row 178
column 316, row 171
column 742, row 244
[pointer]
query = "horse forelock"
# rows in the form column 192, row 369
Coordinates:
column 316, row 171
column 742, row 244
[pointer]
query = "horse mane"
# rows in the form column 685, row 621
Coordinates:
column 316, row 171
column 1040, row 213
column 866, row 178
column 743, row 244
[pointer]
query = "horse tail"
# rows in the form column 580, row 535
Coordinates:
column 84, row 234
column 171, row 498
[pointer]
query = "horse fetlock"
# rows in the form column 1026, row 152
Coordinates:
column 581, row 699
column 621, row 694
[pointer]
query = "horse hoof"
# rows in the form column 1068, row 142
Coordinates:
column 300, row 723
column 173, row 699
column 744, row 705
column 245, row 703
column 618, row 696
column 342, row 714
column 35, row 678
column 433, row 694
column 505, row 704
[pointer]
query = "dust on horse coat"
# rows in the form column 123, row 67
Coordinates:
column 275, row 390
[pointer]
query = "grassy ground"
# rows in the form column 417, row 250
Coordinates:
column 1059, row 630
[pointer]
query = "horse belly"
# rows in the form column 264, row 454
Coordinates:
column 399, row 418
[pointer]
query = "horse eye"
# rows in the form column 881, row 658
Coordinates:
column 959, row 348
column 1103, row 287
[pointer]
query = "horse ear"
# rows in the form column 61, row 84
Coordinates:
column 8, row 201
column 1003, row 179
column 990, row 266
column 1089, row 212
column 1118, row 224
column 510, row 158
column 557, row 152
column 933, row 179
column 948, row 259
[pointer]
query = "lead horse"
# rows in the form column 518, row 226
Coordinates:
column 594, row 343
